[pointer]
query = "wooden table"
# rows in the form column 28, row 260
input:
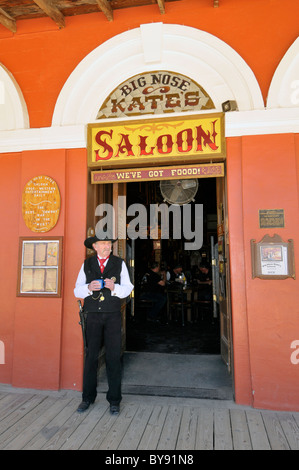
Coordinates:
column 181, row 290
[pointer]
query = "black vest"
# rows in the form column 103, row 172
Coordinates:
column 93, row 303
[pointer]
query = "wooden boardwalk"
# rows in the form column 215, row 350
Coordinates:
column 49, row 421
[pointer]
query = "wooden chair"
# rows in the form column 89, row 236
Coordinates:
column 142, row 307
column 202, row 307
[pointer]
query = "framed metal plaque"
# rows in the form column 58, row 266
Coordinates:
column 271, row 218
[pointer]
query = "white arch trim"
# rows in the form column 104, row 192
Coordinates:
column 13, row 109
column 201, row 56
column 284, row 88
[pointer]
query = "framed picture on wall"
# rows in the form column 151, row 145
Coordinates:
column 272, row 258
column 40, row 262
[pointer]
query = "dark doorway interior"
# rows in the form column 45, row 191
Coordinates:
column 194, row 338
column 200, row 333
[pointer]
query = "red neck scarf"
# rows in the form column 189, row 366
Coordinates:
column 102, row 261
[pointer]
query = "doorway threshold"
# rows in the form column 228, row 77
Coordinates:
column 173, row 375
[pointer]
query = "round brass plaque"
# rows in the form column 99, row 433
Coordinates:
column 41, row 204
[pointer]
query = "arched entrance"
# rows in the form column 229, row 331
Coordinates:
column 197, row 54
column 200, row 57
column 180, row 150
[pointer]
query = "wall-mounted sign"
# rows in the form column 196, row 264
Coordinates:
column 41, row 204
column 191, row 139
column 155, row 93
column 210, row 170
column 271, row 218
column 272, row 258
column 40, row 267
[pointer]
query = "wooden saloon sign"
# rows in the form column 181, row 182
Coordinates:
column 127, row 175
column 187, row 139
column 155, row 93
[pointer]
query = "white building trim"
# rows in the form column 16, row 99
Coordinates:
column 197, row 54
column 284, row 88
column 13, row 109
column 276, row 121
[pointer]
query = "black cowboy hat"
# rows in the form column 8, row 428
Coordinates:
column 91, row 240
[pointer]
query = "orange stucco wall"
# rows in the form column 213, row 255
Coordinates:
column 263, row 173
column 43, row 345
column 41, row 57
column 41, row 336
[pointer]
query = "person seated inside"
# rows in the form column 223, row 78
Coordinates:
column 204, row 280
column 175, row 274
column 153, row 289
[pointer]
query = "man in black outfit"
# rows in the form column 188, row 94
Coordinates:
column 174, row 273
column 103, row 326
column 204, row 279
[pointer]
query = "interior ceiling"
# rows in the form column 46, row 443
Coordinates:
column 11, row 11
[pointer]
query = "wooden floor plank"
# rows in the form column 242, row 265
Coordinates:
column 53, row 407
column 169, row 434
column 86, row 427
column 257, row 430
column 205, row 430
column 136, row 428
column 275, row 432
column 99, row 433
column 6, row 400
column 49, row 421
column 291, row 429
column 296, row 417
column 10, row 404
column 52, row 427
column 222, row 430
column 21, row 426
column 187, row 432
column 16, row 421
column 16, row 415
column 240, row 431
column 119, row 428
column 65, row 430
column 152, row 432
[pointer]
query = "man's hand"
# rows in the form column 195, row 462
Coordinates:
column 94, row 285
column 109, row 283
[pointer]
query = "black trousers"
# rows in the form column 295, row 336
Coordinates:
column 103, row 329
